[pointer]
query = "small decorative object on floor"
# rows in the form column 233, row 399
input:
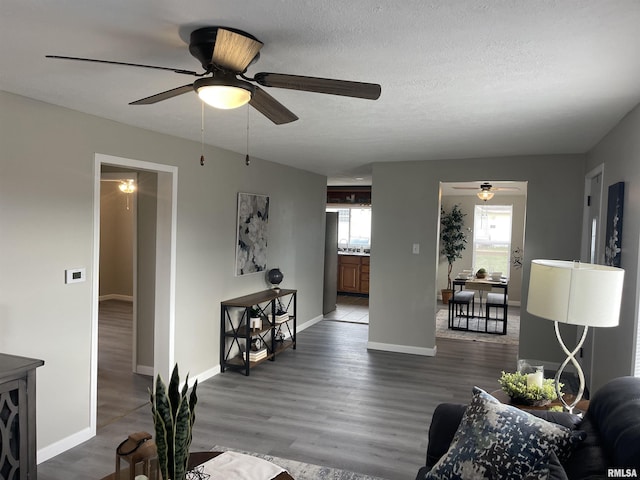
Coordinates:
column 275, row 277
column 528, row 388
column 173, row 417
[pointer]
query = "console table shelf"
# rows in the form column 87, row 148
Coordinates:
column 277, row 333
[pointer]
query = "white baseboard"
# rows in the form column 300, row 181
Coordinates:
column 144, row 370
column 206, row 375
column 63, row 445
column 308, row 323
column 388, row 347
column 115, row 296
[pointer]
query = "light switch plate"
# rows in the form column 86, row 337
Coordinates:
column 416, row 248
column 74, row 275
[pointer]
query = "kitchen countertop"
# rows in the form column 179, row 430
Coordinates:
column 354, row 254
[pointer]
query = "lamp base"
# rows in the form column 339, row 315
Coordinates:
column 570, row 358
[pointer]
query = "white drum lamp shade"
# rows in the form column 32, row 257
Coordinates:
column 577, row 294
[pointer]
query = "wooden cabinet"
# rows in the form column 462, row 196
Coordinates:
column 18, row 417
column 364, row 275
column 353, row 273
column 276, row 333
column 348, row 274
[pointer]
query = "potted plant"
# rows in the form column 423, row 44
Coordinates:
column 255, row 315
column 452, row 242
column 521, row 393
column 173, row 418
column 481, row 273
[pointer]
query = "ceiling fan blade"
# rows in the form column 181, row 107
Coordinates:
column 271, row 108
column 234, row 51
column 370, row 91
column 94, row 60
column 465, row 188
column 158, row 97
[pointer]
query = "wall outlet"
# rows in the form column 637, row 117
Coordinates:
column 75, row 275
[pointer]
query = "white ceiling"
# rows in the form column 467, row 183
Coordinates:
column 465, row 78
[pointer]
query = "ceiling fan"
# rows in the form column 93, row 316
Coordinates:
column 225, row 53
column 487, row 191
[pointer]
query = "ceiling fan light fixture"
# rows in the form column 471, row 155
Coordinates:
column 485, row 195
column 127, row 186
column 225, row 93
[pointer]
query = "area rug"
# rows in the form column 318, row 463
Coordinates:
column 511, row 338
column 305, row 471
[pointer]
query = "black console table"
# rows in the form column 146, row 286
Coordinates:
column 276, row 334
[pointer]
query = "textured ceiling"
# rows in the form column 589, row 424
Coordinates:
column 459, row 78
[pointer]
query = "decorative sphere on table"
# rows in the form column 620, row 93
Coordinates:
column 274, row 276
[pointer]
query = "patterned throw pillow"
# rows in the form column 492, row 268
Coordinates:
column 498, row 441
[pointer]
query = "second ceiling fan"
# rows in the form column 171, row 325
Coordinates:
column 225, row 54
column 487, row 191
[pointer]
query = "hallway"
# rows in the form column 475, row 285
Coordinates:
column 119, row 390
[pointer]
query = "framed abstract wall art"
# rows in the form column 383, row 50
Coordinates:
column 613, row 237
column 252, row 233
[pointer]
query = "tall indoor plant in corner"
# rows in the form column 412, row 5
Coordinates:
column 452, row 242
column 173, row 418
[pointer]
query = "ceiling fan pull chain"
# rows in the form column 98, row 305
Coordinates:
column 202, row 134
column 247, row 160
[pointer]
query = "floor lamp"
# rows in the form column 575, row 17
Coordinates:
column 577, row 294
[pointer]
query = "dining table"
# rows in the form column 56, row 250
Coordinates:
column 481, row 285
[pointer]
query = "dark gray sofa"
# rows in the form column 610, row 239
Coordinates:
column 611, row 425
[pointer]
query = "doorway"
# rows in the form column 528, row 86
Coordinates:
column 492, row 243
column 156, row 329
column 591, row 253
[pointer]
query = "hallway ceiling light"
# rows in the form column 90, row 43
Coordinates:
column 127, row 186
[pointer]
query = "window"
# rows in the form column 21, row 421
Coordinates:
column 492, row 238
column 354, row 226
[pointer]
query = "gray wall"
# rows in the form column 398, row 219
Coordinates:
column 116, row 241
column 46, row 217
column 614, row 348
column 405, row 195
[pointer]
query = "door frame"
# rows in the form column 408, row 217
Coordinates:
column 585, row 356
column 586, row 227
column 164, row 322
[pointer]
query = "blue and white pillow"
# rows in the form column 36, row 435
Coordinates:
column 498, row 441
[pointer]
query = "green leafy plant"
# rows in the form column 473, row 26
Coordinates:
column 452, row 238
column 515, row 385
column 173, row 418
column 481, row 273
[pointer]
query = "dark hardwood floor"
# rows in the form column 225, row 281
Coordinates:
column 330, row 402
column 119, row 390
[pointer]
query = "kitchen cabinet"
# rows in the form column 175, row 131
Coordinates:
column 364, row 274
column 353, row 274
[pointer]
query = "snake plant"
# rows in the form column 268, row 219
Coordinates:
column 173, row 417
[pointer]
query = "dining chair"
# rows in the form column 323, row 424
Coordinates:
column 499, row 301
column 459, row 300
